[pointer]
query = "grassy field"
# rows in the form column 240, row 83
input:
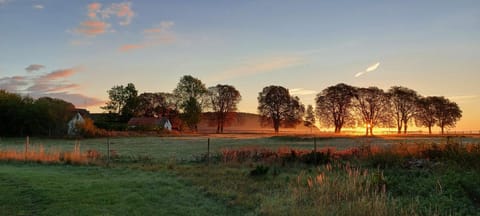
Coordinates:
column 185, row 148
column 167, row 175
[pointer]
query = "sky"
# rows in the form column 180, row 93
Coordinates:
column 77, row 50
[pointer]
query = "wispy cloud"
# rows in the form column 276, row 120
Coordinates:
column 121, row 10
column 301, row 91
column 99, row 18
column 130, row 47
column 92, row 27
column 52, row 84
column 34, row 67
column 463, row 98
column 38, row 6
column 157, row 35
column 371, row 68
column 258, row 66
column 13, row 84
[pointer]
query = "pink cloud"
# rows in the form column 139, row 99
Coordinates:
column 124, row 10
column 157, row 35
column 93, row 9
column 49, row 85
column 128, row 47
column 92, row 27
column 59, row 74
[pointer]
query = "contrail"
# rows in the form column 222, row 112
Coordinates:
column 369, row 69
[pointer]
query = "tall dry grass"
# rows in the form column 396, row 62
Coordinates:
column 41, row 155
column 336, row 190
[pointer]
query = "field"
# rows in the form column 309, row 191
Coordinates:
column 245, row 175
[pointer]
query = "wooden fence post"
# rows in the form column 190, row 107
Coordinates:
column 27, row 143
column 208, row 151
column 108, row 150
column 315, row 149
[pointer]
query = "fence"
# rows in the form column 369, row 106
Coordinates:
column 190, row 148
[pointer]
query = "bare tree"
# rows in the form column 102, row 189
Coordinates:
column 276, row 105
column 372, row 105
column 223, row 101
column 404, row 106
column 310, row 117
column 334, row 105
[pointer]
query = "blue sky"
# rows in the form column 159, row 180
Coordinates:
column 86, row 47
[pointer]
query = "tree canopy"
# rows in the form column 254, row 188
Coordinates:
column 276, row 105
column 334, row 106
column 223, row 102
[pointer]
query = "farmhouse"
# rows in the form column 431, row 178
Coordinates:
column 150, row 123
column 73, row 124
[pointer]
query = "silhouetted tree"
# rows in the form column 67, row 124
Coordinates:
column 122, row 101
column 372, row 105
column 20, row 116
column 155, row 104
column 404, row 106
column 447, row 113
column 190, row 94
column 55, row 114
column 334, row 105
column 425, row 114
column 309, row 117
column 191, row 113
column 223, row 101
column 276, row 105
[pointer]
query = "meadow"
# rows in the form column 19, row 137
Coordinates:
column 242, row 175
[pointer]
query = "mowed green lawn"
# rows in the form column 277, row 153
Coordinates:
column 30, row 189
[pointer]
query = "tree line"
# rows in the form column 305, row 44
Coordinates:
column 337, row 106
column 23, row 115
column 183, row 106
column 343, row 105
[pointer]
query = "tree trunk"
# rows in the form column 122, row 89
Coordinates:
column 371, row 131
column 399, row 131
column 276, row 125
column 430, row 130
column 442, row 129
column 405, row 129
column 366, row 128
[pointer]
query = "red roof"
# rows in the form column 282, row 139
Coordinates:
column 146, row 121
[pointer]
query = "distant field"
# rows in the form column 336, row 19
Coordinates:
column 185, row 148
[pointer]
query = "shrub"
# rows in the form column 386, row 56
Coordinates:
column 259, row 170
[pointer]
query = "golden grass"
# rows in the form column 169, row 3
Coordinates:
column 41, row 155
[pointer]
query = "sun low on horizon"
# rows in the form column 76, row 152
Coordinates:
column 78, row 50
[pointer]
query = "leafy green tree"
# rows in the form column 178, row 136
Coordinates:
column 155, row 104
column 404, row 106
column 334, row 106
column 223, row 101
column 276, row 105
column 122, row 101
column 54, row 114
column 190, row 94
column 192, row 112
